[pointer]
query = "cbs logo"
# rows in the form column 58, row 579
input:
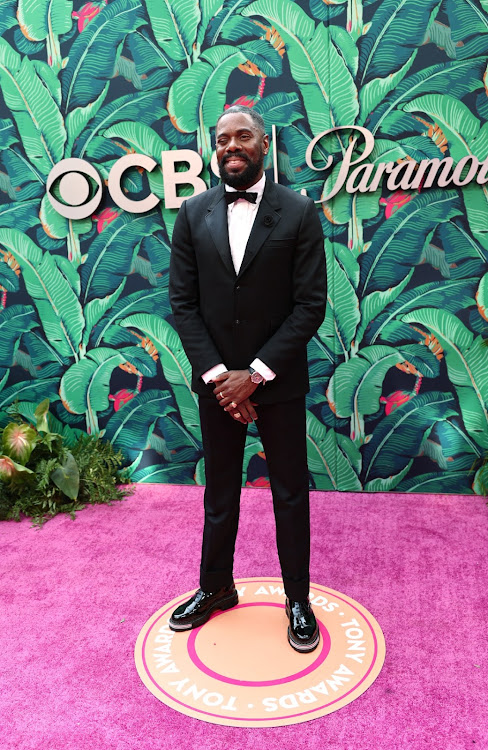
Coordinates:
column 74, row 188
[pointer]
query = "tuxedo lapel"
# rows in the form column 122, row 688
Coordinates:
column 266, row 220
column 216, row 219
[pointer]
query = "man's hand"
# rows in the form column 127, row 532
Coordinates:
column 245, row 410
column 233, row 387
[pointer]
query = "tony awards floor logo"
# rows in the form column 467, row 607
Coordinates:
column 238, row 669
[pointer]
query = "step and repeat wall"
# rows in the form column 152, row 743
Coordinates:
column 399, row 372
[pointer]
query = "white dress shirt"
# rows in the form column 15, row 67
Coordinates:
column 240, row 218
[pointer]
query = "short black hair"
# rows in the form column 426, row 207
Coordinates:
column 255, row 116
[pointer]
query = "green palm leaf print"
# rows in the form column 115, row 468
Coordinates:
column 396, row 27
column 130, row 429
column 22, row 215
column 329, row 467
column 279, row 109
column 459, row 77
column 341, row 320
column 111, row 254
column 175, row 364
column 143, row 301
column 46, row 21
column 57, row 303
column 397, row 439
column 7, row 133
column 458, row 449
column 8, row 278
column 439, row 481
column 466, row 137
column 30, row 390
column 173, row 474
column 143, row 107
column 89, row 66
column 465, row 256
column 197, row 97
column 316, row 64
column 14, row 322
column 452, row 296
column 35, row 110
column 356, row 385
column 174, row 25
column 468, row 21
column 466, row 366
column 7, row 15
column 398, row 244
column 85, row 386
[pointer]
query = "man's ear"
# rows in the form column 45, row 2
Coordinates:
column 266, row 143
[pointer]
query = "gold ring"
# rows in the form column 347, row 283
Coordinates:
column 233, row 405
column 237, row 415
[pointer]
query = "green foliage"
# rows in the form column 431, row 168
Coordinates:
column 107, row 31
column 197, row 97
column 316, row 65
column 396, row 27
column 50, row 478
column 397, row 440
column 397, row 245
column 466, row 365
column 34, row 107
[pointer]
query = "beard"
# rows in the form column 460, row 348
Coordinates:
column 243, row 179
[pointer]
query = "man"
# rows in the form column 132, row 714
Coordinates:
column 248, row 291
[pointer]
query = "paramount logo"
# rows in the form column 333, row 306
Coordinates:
column 406, row 175
column 355, row 175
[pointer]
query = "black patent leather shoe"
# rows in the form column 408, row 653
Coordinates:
column 198, row 609
column 303, row 631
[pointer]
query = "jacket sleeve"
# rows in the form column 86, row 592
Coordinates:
column 184, row 298
column 309, row 296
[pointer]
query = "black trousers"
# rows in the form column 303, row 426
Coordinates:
column 282, row 429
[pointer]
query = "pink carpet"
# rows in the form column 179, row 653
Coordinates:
column 74, row 596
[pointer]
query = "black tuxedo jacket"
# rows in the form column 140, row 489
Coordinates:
column 270, row 309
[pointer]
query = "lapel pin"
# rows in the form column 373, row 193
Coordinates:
column 268, row 220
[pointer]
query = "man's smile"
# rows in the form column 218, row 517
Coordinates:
column 235, row 161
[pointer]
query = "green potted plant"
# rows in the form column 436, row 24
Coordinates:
column 40, row 475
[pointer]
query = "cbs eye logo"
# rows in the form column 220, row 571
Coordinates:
column 74, row 188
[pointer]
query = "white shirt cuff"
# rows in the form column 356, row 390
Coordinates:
column 263, row 369
column 213, row 372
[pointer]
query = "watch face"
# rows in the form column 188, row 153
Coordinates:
column 256, row 377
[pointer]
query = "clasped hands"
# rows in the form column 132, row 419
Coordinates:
column 233, row 390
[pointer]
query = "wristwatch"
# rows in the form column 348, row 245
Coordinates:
column 255, row 376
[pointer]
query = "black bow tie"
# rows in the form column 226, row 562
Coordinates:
column 233, row 196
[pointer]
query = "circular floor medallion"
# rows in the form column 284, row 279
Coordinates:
column 238, row 669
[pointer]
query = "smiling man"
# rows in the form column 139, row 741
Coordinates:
column 248, row 291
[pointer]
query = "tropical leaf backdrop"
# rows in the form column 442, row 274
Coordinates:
column 399, row 396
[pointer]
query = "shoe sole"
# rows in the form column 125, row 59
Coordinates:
column 302, row 648
column 222, row 606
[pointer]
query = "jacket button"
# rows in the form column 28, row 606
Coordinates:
column 237, row 322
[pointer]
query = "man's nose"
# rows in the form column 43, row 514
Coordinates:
column 233, row 145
